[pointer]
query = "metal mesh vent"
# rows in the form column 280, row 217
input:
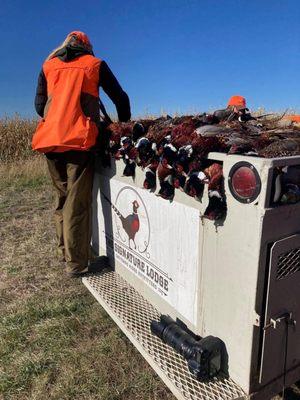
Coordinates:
column 135, row 314
column 288, row 263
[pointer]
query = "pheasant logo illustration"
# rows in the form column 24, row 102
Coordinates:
column 131, row 219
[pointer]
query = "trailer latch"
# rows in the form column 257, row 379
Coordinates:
column 274, row 322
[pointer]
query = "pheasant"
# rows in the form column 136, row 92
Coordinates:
column 131, row 223
column 175, row 149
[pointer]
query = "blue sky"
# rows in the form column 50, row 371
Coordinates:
column 171, row 55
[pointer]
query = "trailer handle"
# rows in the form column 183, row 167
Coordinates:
column 289, row 321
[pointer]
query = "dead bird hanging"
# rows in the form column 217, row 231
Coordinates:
column 173, row 151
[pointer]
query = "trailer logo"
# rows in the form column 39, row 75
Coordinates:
column 131, row 238
column 152, row 243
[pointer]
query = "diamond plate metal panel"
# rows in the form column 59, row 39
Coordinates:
column 134, row 314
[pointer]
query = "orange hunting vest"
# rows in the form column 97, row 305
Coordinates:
column 65, row 126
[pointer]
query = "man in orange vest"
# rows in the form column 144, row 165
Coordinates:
column 67, row 99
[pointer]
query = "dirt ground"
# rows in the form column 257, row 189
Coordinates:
column 56, row 342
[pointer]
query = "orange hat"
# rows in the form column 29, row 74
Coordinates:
column 81, row 37
column 237, row 101
column 292, row 118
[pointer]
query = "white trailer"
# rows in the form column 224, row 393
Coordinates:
column 238, row 280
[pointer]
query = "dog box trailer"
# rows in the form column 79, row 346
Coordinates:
column 238, row 279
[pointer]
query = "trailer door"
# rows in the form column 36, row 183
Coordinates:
column 281, row 338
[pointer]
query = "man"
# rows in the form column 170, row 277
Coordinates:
column 236, row 110
column 67, row 99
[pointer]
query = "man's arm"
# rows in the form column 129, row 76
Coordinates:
column 41, row 94
column 112, row 88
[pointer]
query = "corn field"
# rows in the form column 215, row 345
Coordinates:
column 15, row 138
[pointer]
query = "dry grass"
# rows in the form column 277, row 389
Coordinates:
column 15, row 138
column 56, row 342
column 32, row 172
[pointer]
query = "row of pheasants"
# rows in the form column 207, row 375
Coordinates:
column 175, row 150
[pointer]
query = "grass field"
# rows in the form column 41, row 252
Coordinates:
column 56, row 342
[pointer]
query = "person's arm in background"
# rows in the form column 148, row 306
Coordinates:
column 112, row 88
column 41, row 95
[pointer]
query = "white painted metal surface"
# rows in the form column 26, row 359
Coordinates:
column 232, row 269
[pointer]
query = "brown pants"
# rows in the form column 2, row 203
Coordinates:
column 72, row 176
